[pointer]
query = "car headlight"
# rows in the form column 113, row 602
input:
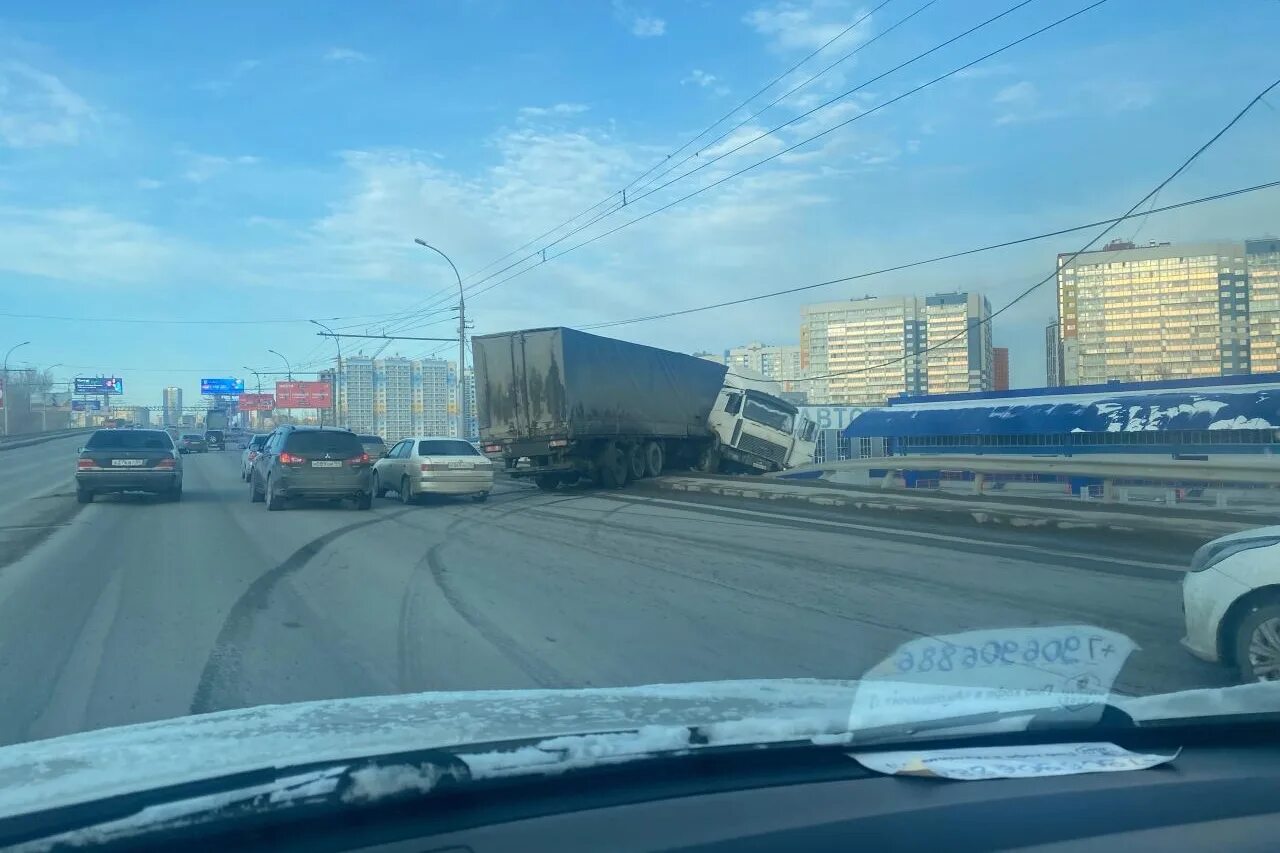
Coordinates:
column 1209, row 555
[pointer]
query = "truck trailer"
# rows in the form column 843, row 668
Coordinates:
column 558, row 405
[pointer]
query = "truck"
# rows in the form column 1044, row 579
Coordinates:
column 557, row 405
column 215, row 419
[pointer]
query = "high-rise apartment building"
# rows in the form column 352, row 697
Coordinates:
column 1262, row 263
column 395, row 397
column 780, row 363
column 1052, row 356
column 171, row 405
column 999, row 368
column 1164, row 311
column 864, row 351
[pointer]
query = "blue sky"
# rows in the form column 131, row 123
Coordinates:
column 273, row 163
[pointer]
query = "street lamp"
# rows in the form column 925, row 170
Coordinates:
column 255, row 415
column 460, row 390
column 287, row 366
column 337, row 383
column 256, row 375
column 6, row 400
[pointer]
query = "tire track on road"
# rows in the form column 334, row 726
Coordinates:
column 221, row 676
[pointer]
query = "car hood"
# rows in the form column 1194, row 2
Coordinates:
column 89, row 766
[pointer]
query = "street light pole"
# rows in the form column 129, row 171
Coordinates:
column 462, row 339
column 44, row 407
column 256, row 415
column 8, row 398
column 289, row 371
column 337, row 382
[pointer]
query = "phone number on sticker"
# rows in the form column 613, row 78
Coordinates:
column 947, row 657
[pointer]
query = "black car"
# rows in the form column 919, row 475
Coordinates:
column 129, row 460
column 215, row 440
column 324, row 463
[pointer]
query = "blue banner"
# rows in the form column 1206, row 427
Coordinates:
column 222, row 386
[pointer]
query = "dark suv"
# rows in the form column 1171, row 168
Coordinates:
column 324, row 463
column 214, row 439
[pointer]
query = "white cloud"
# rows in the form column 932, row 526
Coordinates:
column 698, row 77
column 641, row 24
column 561, row 109
column 203, row 167
column 38, row 109
column 791, row 25
column 220, row 85
column 345, row 54
column 1019, row 94
column 149, row 184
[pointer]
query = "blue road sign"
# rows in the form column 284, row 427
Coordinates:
column 226, row 385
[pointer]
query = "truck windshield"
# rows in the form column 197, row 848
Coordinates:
column 770, row 413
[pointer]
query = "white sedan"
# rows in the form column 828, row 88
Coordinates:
column 435, row 465
column 1231, row 603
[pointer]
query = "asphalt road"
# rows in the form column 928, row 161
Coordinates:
column 131, row 609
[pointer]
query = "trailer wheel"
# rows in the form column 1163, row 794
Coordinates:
column 611, row 467
column 654, row 459
column 547, row 482
column 635, row 461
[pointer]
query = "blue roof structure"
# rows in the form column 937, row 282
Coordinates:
column 1228, row 407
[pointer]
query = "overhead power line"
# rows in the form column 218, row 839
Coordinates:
column 935, row 259
column 844, row 58
column 796, row 145
column 1053, row 275
column 744, row 103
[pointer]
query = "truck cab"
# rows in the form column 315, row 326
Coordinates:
column 757, row 431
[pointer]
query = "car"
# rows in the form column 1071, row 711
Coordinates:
column 252, row 447
column 326, row 463
column 193, row 442
column 214, row 439
column 136, row 460
column 436, row 465
column 1231, row 603
column 374, row 446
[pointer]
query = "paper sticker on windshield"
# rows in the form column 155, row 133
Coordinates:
column 1010, row 762
column 1069, row 669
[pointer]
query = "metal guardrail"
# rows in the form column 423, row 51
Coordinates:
column 29, row 438
column 1252, row 470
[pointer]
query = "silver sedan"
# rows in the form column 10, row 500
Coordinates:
column 434, row 465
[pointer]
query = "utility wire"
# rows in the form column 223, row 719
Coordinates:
column 542, row 252
column 785, row 95
column 1063, row 264
column 799, row 144
column 746, row 102
column 933, row 260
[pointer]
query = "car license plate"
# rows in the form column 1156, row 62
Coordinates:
column 455, row 464
column 127, row 463
column 324, row 463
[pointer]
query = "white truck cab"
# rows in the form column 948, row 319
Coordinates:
column 758, row 430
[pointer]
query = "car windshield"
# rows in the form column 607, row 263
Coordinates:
column 766, row 412
column 675, row 358
column 445, row 447
column 307, row 441
column 129, row 439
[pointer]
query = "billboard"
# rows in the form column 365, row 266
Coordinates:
column 86, row 405
column 304, row 395
column 227, row 385
column 256, row 403
column 99, row 385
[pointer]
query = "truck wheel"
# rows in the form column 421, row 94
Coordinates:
column 654, row 459
column 611, row 467
column 635, row 461
column 547, row 482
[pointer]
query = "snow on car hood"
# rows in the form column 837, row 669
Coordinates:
column 78, row 768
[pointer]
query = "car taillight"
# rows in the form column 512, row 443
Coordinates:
column 558, row 442
column 85, row 464
column 435, row 466
column 493, row 448
column 290, row 459
column 167, row 462
column 362, row 459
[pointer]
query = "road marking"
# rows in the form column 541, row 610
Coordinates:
column 937, row 537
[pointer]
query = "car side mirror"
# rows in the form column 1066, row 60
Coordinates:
column 79, row 450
